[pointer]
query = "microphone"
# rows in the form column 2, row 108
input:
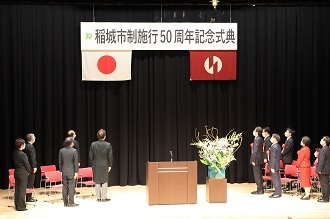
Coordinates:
column 171, row 156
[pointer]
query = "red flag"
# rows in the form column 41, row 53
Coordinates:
column 106, row 65
column 213, row 65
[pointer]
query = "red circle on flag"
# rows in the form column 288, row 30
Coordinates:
column 106, row 64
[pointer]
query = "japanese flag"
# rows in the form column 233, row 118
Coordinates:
column 106, row 65
column 213, row 65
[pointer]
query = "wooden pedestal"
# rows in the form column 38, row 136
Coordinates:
column 216, row 190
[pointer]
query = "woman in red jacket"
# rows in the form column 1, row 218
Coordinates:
column 304, row 165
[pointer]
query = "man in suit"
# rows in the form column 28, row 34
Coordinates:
column 100, row 155
column 31, row 154
column 256, row 160
column 267, row 144
column 287, row 151
column 274, row 165
column 22, row 170
column 323, row 168
column 72, row 134
column 68, row 164
column 288, row 148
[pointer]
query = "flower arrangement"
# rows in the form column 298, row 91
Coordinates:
column 217, row 152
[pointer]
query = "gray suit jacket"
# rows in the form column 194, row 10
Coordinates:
column 256, row 155
column 68, row 161
column 274, row 157
column 323, row 164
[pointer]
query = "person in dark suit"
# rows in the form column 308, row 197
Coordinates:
column 288, row 148
column 100, row 155
column 267, row 143
column 256, row 160
column 274, row 165
column 323, row 168
column 68, row 164
column 22, row 170
column 73, row 135
column 31, row 153
column 287, row 151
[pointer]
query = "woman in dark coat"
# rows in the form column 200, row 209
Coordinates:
column 22, row 170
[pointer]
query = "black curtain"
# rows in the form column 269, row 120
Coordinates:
column 282, row 81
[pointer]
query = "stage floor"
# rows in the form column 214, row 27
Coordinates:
column 130, row 202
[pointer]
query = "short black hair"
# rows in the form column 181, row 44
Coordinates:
column 267, row 129
column 19, row 142
column 291, row 130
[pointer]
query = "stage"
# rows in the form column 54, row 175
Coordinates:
column 130, row 202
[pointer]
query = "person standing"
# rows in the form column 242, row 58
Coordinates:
column 256, row 160
column 304, row 165
column 288, row 148
column 267, row 144
column 100, row 155
column 31, row 153
column 22, row 170
column 323, row 168
column 72, row 134
column 68, row 164
column 274, row 165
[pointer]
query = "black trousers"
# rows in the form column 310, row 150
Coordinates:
column 68, row 189
column 20, row 191
column 30, row 184
column 276, row 179
column 257, row 173
column 324, row 181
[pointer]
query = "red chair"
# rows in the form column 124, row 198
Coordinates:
column 11, row 186
column 55, row 181
column 45, row 169
column 290, row 175
column 315, row 181
column 266, row 177
column 86, row 177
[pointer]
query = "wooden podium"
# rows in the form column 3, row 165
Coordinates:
column 171, row 182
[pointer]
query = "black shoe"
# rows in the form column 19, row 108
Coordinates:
column 257, row 193
column 76, row 193
column 324, row 201
column 98, row 200
column 25, row 209
column 105, row 200
column 275, row 196
column 73, row 205
column 32, row 200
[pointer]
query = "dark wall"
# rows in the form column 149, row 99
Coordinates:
column 282, row 80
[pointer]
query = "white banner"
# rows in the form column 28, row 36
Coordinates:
column 158, row 36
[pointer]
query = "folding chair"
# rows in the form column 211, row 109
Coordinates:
column 11, row 186
column 315, row 182
column 86, row 178
column 266, row 177
column 55, row 181
column 292, row 171
column 45, row 169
